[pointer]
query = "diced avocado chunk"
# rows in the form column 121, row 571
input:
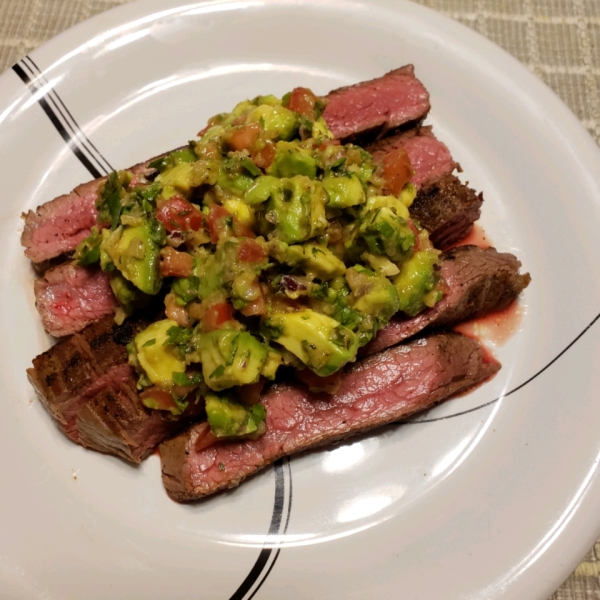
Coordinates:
column 390, row 201
column 184, row 155
column 135, row 253
column 319, row 341
column 158, row 360
column 373, row 294
column 315, row 259
column 240, row 210
column 417, row 279
column 321, row 130
column 270, row 366
column 209, row 271
column 126, row 293
column 297, row 210
column 230, row 357
column 234, row 177
column 344, row 191
column 290, row 159
column 381, row 264
column 181, row 176
column 229, row 418
column 278, row 122
column 386, row 233
column 261, row 189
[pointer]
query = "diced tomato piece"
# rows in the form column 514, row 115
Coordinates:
column 205, row 437
column 302, row 101
column 329, row 384
column 177, row 214
column 251, row 252
column 158, row 399
column 174, row 263
column 215, row 315
column 397, row 170
column 250, row 393
column 255, row 308
column 216, row 223
column 243, row 138
column 264, row 157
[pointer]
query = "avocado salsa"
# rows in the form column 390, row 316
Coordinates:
column 274, row 246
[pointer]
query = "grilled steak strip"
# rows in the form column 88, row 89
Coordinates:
column 478, row 281
column 69, row 297
column 430, row 159
column 368, row 110
column 447, row 208
column 87, row 386
column 376, row 391
column 57, row 226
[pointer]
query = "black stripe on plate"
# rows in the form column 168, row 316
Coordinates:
column 266, row 559
column 58, row 125
column 67, row 117
column 68, row 128
column 287, row 520
column 516, row 389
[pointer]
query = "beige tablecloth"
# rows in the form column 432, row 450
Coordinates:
column 559, row 40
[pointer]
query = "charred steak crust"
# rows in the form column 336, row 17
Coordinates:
column 478, row 281
column 88, row 387
column 376, row 391
column 447, row 208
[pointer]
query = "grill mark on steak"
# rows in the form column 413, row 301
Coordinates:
column 447, row 208
column 366, row 111
column 478, row 281
column 88, row 387
column 377, row 391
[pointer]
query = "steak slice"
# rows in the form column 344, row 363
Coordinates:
column 430, row 159
column 478, row 281
column 376, row 391
column 88, row 387
column 368, row 110
column 69, row 297
column 57, row 226
column 447, row 208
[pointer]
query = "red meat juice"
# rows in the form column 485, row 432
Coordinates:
column 496, row 328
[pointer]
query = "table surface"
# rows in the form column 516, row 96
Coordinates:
column 559, row 40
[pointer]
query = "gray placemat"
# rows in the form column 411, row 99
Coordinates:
column 559, row 40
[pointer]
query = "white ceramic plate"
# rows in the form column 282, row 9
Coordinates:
column 499, row 501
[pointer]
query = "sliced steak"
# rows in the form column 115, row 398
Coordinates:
column 430, row 159
column 57, row 226
column 88, row 387
column 478, row 281
column 368, row 110
column 69, row 297
column 447, row 208
column 379, row 390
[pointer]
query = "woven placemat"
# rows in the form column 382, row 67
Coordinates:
column 559, row 40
